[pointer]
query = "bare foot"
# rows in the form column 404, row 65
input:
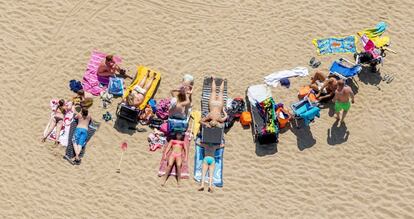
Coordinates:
column 201, row 189
column 44, row 139
column 210, row 189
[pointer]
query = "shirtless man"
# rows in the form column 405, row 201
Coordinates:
column 341, row 99
column 109, row 68
column 81, row 133
column 208, row 165
column 216, row 105
column 137, row 95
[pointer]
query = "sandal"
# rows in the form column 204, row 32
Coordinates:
column 312, row 61
column 390, row 79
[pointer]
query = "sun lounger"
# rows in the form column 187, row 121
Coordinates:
column 131, row 113
column 91, row 82
column 345, row 69
column 184, row 167
column 198, row 164
column 306, row 111
column 70, row 153
column 211, row 135
column 265, row 128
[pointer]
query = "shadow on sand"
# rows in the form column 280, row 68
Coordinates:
column 304, row 136
column 337, row 134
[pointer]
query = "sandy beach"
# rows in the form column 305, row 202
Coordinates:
column 361, row 169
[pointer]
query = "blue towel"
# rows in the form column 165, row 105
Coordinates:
column 310, row 115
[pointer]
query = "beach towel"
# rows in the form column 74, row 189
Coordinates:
column 332, row 45
column 64, row 133
column 196, row 116
column 141, row 72
column 70, row 152
column 198, row 164
column 377, row 31
column 91, row 82
column 274, row 78
column 184, row 167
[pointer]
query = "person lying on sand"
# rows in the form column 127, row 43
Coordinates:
column 216, row 105
column 177, row 147
column 323, row 86
column 57, row 121
column 208, row 165
column 180, row 105
column 81, row 133
column 137, row 95
column 341, row 99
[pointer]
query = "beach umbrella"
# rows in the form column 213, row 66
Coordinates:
column 123, row 146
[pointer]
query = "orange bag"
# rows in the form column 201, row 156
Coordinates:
column 283, row 120
column 245, row 118
column 306, row 91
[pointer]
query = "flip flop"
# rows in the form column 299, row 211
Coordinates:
column 390, row 79
column 312, row 61
column 316, row 64
column 385, row 77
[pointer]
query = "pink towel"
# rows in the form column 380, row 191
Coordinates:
column 184, row 167
column 91, row 82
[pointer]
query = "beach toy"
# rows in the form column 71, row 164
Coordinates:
column 123, row 146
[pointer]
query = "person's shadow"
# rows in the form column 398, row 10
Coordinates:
column 304, row 136
column 337, row 134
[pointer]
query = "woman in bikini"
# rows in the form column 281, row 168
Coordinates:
column 216, row 106
column 137, row 95
column 323, row 86
column 57, row 121
column 177, row 147
column 180, row 105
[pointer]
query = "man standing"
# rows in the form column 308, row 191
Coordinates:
column 341, row 99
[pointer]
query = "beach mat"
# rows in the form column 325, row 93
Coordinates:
column 184, row 167
column 64, row 133
column 70, row 152
column 333, row 45
column 198, row 165
column 91, row 82
column 211, row 135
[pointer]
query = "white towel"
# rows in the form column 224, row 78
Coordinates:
column 274, row 78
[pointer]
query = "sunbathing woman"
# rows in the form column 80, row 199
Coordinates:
column 137, row 95
column 57, row 121
column 180, row 105
column 216, row 105
column 177, row 148
column 208, row 165
column 324, row 87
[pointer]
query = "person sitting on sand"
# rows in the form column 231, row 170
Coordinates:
column 323, row 86
column 77, row 100
column 109, row 68
column 180, row 105
column 341, row 99
column 208, row 165
column 57, row 121
column 216, row 106
column 177, row 147
column 81, row 133
column 137, row 95
column 187, row 83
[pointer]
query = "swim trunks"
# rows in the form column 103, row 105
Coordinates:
column 342, row 106
column 80, row 136
column 209, row 160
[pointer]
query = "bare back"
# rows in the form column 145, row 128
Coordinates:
column 83, row 122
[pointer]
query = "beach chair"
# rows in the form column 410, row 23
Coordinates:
column 345, row 69
column 131, row 113
column 198, row 164
column 70, row 152
column 306, row 111
column 212, row 135
column 262, row 107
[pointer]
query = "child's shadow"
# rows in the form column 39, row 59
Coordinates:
column 337, row 134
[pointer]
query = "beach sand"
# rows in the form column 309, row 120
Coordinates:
column 313, row 173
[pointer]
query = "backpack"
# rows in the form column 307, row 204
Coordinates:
column 163, row 108
column 116, row 86
column 75, row 85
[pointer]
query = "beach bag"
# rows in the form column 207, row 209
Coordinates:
column 116, row 86
column 163, row 108
column 75, row 85
column 282, row 116
column 177, row 125
column 307, row 91
column 246, row 118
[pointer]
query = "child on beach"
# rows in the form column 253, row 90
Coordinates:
column 81, row 133
column 177, row 147
column 208, row 165
column 57, row 121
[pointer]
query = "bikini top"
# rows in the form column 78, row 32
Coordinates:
column 177, row 142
